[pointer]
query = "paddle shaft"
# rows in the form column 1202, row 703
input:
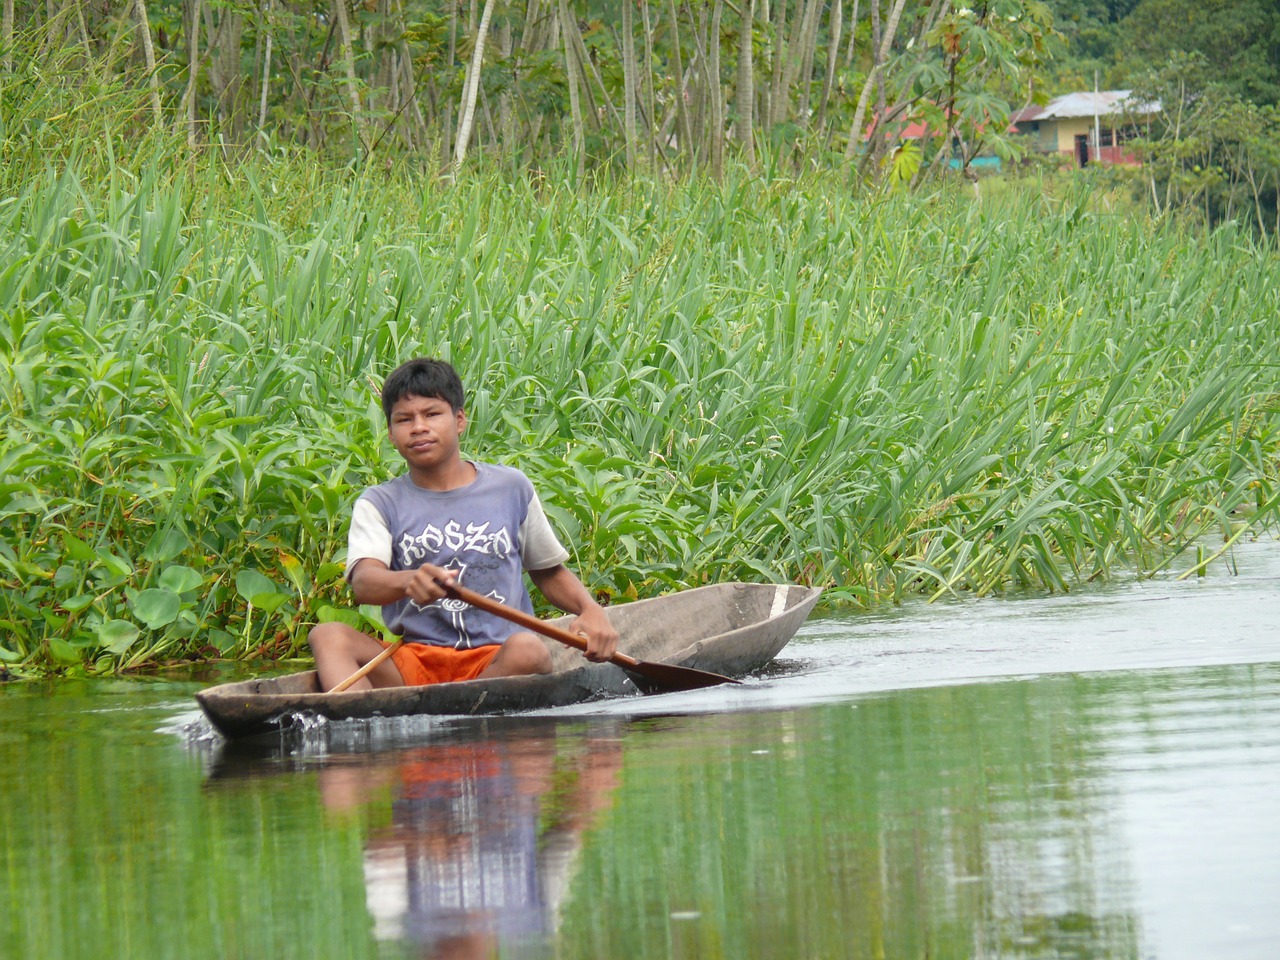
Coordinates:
column 667, row 674
column 369, row 667
column 520, row 618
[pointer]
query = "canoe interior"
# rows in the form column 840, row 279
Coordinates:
column 730, row 628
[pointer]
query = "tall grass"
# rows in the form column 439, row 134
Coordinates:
column 750, row 380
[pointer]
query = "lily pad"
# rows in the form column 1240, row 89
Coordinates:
column 156, row 607
column 117, row 636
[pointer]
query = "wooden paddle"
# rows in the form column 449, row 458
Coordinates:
column 368, row 667
column 664, row 675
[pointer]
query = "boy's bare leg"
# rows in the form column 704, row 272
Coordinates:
column 341, row 650
column 521, row 654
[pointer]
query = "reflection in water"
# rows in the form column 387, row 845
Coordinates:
column 1112, row 816
column 484, row 834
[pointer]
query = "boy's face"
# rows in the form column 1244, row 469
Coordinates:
column 425, row 431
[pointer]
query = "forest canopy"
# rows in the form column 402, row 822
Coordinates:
column 894, row 90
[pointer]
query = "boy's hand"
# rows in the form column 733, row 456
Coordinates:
column 602, row 639
column 421, row 586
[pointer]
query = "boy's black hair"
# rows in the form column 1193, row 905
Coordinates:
column 422, row 377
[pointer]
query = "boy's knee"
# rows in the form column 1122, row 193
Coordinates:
column 324, row 637
column 528, row 653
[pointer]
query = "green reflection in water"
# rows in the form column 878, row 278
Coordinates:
column 114, row 847
column 983, row 820
column 950, row 822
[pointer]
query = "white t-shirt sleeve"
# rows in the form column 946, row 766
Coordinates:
column 369, row 537
column 540, row 549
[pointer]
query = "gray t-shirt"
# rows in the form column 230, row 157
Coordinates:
column 488, row 532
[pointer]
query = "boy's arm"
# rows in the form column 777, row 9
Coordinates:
column 559, row 585
column 372, row 582
column 369, row 573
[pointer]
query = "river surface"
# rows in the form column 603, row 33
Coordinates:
column 1094, row 775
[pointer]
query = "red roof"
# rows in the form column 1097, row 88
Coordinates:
column 919, row 130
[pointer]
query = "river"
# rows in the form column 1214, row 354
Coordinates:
column 1090, row 775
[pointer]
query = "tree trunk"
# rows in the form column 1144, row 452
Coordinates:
column 777, row 94
column 447, row 140
column 587, row 66
column 853, row 36
column 746, row 93
column 685, row 136
column 699, row 146
column 467, row 109
column 6, row 35
column 149, row 55
column 629, row 83
column 574, row 80
column 835, row 25
column 193, row 73
column 347, row 53
column 877, row 57
column 506, row 113
column 266, row 73
column 855, row 131
column 798, row 55
column 716, row 93
column 650, row 99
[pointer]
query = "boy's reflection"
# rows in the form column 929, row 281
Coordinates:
column 484, row 833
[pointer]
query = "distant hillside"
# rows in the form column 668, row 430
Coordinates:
column 1123, row 39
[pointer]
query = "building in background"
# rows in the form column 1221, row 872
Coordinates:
column 1088, row 127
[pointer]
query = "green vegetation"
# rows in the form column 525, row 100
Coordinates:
column 748, row 379
column 1214, row 68
column 648, row 85
column 759, row 373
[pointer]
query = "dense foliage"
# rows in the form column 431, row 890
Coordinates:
column 707, row 382
column 1124, row 39
column 660, row 86
column 890, row 92
column 768, row 372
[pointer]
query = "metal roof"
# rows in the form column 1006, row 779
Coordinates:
column 1104, row 103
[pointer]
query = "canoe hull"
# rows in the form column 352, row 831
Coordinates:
column 730, row 628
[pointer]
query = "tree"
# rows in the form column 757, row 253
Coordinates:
column 1239, row 39
column 1209, row 153
column 467, row 109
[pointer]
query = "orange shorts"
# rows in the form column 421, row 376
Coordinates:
column 421, row 663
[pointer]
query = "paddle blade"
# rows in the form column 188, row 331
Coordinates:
column 653, row 677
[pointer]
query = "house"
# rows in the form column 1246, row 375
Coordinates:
column 1088, row 127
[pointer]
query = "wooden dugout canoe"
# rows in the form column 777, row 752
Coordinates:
column 727, row 628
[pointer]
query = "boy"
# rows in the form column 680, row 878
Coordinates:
column 476, row 524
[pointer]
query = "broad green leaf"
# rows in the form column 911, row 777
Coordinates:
column 329, row 571
column 297, row 575
column 268, row 602
column 156, row 607
column 117, row 636
column 77, row 603
column 63, row 652
column 166, row 544
column 224, row 641
column 328, row 614
column 180, row 579
column 116, row 564
column 250, row 582
column 77, row 549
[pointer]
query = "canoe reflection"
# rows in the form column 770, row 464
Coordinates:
column 485, row 831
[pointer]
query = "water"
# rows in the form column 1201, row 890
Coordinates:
column 1089, row 776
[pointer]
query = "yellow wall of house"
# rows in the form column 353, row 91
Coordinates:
column 1060, row 135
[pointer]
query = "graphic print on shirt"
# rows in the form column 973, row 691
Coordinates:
column 433, row 542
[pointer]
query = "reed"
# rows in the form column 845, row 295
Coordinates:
column 752, row 380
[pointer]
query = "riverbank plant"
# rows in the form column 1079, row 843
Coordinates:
column 889, row 397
